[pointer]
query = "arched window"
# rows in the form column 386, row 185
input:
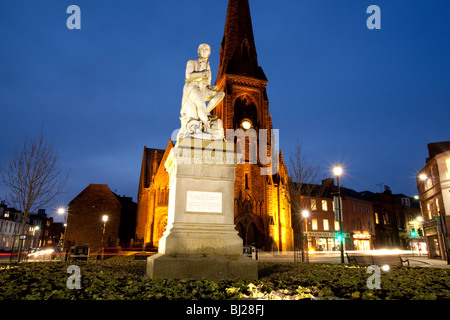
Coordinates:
column 245, row 109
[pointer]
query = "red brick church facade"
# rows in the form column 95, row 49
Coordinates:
column 262, row 204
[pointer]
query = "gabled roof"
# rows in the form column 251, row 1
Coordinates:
column 151, row 160
column 151, row 157
column 436, row 148
column 327, row 190
column 99, row 190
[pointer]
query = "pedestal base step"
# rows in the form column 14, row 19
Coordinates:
column 211, row 267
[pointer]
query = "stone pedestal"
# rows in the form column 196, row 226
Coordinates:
column 200, row 240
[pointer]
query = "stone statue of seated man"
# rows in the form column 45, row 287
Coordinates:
column 196, row 119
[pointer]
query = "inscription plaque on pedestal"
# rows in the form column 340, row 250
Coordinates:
column 200, row 201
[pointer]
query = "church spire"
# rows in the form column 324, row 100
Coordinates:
column 238, row 50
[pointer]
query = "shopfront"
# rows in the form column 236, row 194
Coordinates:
column 325, row 241
column 434, row 250
column 361, row 241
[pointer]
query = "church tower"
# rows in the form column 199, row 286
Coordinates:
column 240, row 76
column 262, row 206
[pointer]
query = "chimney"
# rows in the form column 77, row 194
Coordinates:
column 328, row 182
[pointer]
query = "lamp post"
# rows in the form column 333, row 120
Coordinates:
column 104, row 218
column 305, row 215
column 61, row 211
column 337, row 172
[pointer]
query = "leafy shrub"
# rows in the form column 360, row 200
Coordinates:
column 123, row 280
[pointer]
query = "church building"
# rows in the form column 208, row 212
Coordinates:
column 261, row 196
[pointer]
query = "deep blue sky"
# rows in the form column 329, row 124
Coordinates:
column 368, row 99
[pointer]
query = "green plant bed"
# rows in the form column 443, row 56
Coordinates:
column 123, row 280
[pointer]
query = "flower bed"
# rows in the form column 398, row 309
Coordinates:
column 123, row 280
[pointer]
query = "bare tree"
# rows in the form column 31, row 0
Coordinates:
column 33, row 178
column 306, row 181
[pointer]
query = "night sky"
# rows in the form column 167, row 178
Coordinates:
column 370, row 100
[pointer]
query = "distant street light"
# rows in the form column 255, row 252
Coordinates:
column 337, row 172
column 305, row 214
column 423, row 177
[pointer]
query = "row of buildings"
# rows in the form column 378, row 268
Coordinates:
column 40, row 230
column 370, row 220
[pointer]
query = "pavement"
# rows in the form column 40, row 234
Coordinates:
column 315, row 257
column 334, row 257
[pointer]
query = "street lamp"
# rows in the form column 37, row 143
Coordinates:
column 337, row 170
column 305, row 215
column 104, row 218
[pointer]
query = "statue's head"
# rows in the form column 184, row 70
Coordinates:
column 204, row 50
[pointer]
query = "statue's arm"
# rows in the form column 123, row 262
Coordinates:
column 192, row 75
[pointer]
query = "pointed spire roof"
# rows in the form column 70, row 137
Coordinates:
column 238, row 51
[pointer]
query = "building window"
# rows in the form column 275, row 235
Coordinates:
column 360, row 208
column 433, row 178
column 367, row 209
column 324, row 205
column 314, row 224
column 429, row 210
column 406, row 202
column 325, row 225
column 336, row 225
column 376, row 218
column 447, row 164
column 353, row 206
column 313, row 204
column 246, row 181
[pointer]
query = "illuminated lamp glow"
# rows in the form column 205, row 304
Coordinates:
column 246, row 124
